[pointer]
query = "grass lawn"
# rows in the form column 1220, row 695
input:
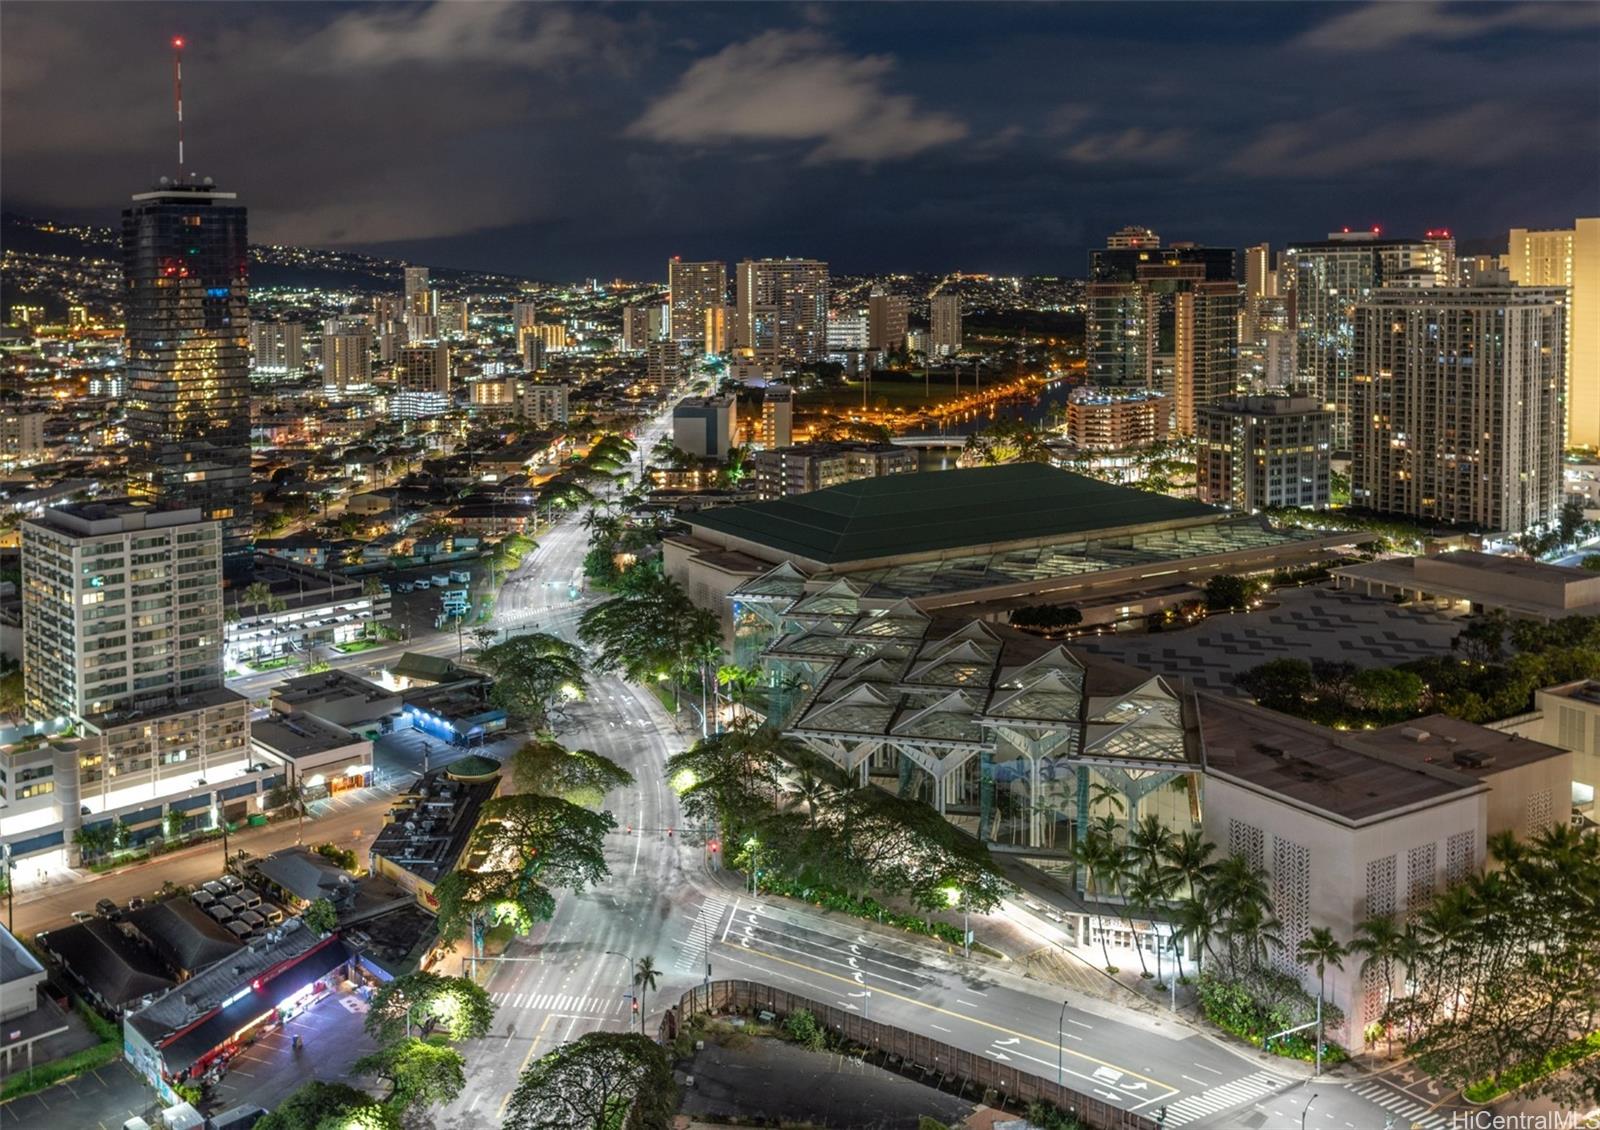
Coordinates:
column 273, row 664
column 889, row 390
column 355, row 646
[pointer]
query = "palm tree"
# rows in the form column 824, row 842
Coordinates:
column 644, row 977
column 1152, row 884
column 1320, row 949
column 1190, row 854
column 1197, row 921
column 1102, row 860
column 256, row 595
column 812, row 791
column 1381, row 939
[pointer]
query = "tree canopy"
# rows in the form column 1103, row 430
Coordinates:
column 329, row 1106
column 457, row 1006
column 420, row 1073
column 523, row 846
column 581, row 776
column 532, row 673
column 591, row 1084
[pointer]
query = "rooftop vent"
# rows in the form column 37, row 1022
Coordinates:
column 1415, row 733
column 1469, row 759
column 1270, row 750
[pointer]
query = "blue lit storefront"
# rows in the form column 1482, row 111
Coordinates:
column 457, row 729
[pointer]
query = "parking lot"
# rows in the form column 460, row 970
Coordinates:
column 414, row 613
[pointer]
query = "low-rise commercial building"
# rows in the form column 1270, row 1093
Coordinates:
column 176, row 1037
column 320, row 757
column 428, row 827
column 341, row 698
column 1350, row 825
column 27, row 1015
column 802, row 468
column 318, row 606
column 1479, row 582
column 705, row 425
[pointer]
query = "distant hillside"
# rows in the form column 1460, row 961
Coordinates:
column 269, row 266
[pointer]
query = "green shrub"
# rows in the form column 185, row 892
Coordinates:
column 801, row 1027
column 1258, row 1003
column 863, row 907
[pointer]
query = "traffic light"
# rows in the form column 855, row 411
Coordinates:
column 636, row 1006
column 713, row 846
column 669, row 833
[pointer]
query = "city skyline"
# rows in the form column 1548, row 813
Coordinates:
column 616, row 138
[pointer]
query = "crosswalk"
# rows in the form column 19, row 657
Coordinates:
column 561, row 1002
column 1408, row 1111
column 1233, row 1094
column 691, row 956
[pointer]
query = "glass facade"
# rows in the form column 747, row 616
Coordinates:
column 188, row 392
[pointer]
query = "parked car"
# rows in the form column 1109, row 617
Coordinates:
column 220, row 913
column 440, row 580
column 234, row 903
column 105, row 908
column 215, row 888
column 238, row 929
column 253, row 920
column 273, row 915
column 420, row 583
column 204, row 899
column 232, row 882
column 82, row 916
column 405, row 586
column 461, row 576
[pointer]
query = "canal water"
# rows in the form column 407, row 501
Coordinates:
column 1045, row 407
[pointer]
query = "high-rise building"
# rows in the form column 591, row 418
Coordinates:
column 123, row 606
column 719, row 319
column 425, row 367
column 1165, row 319
column 346, row 355
column 186, row 304
column 636, row 335
column 276, row 348
column 455, row 318
column 123, row 641
column 1327, row 278
column 888, row 319
column 552, row 335
column 530, row 347
column 663, row 365
column 1133, row 236
column 1117, row 419
column 1266, row 358
column 1256, row 452
column 1569, row 257
column 847, row 333
column 944, row 314
column 693, row 289
column 776, row 427
column 782, row 308
column 545, row 405
column 21, row 436
column 523, row 315
column 705, row 425
column 420, row 297
column 1457, row 404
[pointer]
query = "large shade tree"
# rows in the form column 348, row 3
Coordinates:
column 523, row 846
column 423, row 1002
column 532, row 673
column 600, row 1081
column 420, row 1073
column 581, row 776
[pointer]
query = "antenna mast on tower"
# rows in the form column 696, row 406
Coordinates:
column 177, row 95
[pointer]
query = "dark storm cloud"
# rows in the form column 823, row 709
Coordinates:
column 570, row 140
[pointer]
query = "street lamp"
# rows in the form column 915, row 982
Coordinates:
column 634, row 997
column 954, row 895
column 755, row 868
column 1061, row 1024
column 866, row 1004
column 1307, row 1110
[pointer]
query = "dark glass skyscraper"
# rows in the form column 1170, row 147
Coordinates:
column 184, row 259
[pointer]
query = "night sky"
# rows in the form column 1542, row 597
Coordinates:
column 564, row 142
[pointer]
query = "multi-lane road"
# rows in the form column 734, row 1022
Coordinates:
column 665, row 899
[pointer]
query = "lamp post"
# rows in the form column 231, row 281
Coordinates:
column 1061, row 1024
column 1307, row 1110
column 633, row 996
column 866, row 1003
